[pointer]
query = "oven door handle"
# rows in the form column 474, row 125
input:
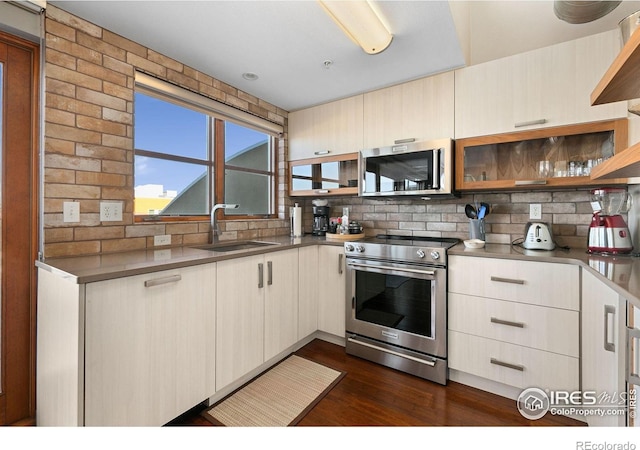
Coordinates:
column 391, row 352
column 400, row 269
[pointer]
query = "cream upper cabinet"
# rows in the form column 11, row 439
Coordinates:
column 330, row 129
column 546, row 87
column 419, row 110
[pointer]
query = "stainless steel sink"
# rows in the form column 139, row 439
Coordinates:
column 234, row 246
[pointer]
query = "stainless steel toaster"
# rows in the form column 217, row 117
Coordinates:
column 537, row 236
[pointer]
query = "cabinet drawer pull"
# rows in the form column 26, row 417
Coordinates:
column 269, row 273
column 404, row 141
column 507, row 322
column 322, row 191
column 322, row 152
column 530, row 182
column 507, row 280
column 608, row 310
column 260, row 276
column 340, row 257
column 530, row 122
column 165, row 280
column 497, row 362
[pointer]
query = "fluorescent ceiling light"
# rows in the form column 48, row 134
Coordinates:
column 360, row 22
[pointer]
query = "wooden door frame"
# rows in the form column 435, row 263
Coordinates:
column 20, row 377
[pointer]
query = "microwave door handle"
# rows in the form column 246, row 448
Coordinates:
column 436, row 168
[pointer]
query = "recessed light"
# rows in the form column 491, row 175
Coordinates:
column 250, row 76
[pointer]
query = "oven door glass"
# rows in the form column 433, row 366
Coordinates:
column 395, row 301
column 401, row 172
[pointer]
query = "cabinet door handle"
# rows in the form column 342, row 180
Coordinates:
column 507, row 322
column 322, row 152
column 260, row 276
column 633, row 336
column 530, row 182
column 164, row 280
column 530, row 122
column 340, row 256
column 322, row 191
column 507, row 280
column 404, row 141
column 497, row 362
column 269, row 273
column 609, row 310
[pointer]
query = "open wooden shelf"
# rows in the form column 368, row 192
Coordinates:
column 621, row 81
column 625, row 164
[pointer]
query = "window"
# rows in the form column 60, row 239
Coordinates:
column 187, row 159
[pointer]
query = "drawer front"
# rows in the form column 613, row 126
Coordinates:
column 537, row 283
column 511, row 364
column 539, row 327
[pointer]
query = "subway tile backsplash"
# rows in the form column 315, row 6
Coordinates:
column 568, row 211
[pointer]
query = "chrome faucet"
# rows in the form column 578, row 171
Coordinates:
column 215, row 229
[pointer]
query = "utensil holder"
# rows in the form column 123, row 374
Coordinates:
column 476, row 229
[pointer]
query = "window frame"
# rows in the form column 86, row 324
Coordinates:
column 215, row 164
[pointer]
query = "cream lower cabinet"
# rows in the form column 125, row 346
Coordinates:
column 332, row 301
column 603, row 352
column 132, row 351
column 257, row 312
column 515, row 322
column 308, row 291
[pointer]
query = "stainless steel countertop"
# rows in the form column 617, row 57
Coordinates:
column 621, row 273
column 91, row 268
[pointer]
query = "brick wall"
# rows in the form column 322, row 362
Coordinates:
column 88, row 155
column 568, row 211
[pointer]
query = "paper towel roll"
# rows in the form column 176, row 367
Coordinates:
column 296, row 221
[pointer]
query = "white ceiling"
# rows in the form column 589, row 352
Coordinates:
column 286, row 42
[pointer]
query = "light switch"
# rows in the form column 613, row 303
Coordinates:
column 71, row 212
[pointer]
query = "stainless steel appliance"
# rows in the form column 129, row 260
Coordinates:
column 320, row 220
column 397, row 303
column 408, row 168
column 537, row 236
column 608, row 232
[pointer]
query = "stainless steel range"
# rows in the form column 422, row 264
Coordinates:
column 397, row 303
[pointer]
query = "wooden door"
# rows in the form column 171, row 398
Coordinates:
column 332, row 301
column 18, row 219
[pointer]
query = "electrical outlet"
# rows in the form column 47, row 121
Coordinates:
column 110, row 211
column 535, row 211
column 163, row 239
column 71, row 212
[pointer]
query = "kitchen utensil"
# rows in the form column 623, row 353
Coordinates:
column 482, row 212
column 470, row 211
column 537, row 236
column 487, row 208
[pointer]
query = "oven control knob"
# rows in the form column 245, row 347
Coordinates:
column 349, row 247
column 360, row 248
column 435, row 255
column 420, row 253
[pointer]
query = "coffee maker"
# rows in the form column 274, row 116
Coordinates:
column 608, row 232
column 320, row 220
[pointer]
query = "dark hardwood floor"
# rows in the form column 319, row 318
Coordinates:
column 373, row 395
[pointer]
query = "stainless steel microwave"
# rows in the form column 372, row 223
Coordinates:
column 411, row 168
